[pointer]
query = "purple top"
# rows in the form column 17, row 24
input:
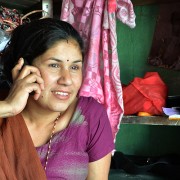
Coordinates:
column 87, row 138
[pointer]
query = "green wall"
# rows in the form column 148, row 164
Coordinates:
column 148, row 140
column 133, row 49
column 134, row 46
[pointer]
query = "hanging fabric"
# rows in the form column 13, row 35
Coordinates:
column 95, row 20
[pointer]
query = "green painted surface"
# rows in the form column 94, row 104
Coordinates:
column 134, row 46
column 148, row 140
column 133, row 49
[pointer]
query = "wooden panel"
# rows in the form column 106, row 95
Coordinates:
column 145, row 2
column 19, row 4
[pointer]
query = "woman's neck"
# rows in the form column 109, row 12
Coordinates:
column 40, row 122
column 34, row 114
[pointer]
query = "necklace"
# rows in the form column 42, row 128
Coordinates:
column 50, row 140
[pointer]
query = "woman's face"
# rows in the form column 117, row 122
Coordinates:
column 61, row 70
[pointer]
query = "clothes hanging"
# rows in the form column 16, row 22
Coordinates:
column 96, row 22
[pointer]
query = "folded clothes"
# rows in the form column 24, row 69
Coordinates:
column 173, row 113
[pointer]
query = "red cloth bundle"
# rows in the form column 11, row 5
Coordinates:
column 146, row 94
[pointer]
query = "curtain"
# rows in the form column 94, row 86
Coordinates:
column 95, row 20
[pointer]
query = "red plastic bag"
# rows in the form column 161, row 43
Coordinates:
column 146, row 94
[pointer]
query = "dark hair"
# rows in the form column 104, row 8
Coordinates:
column 33, row 39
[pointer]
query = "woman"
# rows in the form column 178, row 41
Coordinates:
column 71, row 135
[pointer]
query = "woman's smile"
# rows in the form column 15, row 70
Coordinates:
column 61, row 95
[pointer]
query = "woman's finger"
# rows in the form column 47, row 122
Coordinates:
column 34, row 78
column 27, row 70
column 17, row 68
column 34, row 87
column 20, row 71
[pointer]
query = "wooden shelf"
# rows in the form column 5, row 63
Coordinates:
column 150, row 120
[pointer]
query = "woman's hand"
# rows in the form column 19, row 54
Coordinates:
column 26, row 80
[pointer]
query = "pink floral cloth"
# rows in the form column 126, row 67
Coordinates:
column 96, row 22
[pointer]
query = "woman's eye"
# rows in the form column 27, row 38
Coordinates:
column 54, row 65
column 75, row 67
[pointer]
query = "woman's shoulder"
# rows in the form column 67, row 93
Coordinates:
column 90, row 108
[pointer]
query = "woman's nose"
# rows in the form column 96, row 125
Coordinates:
column 65, row 78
